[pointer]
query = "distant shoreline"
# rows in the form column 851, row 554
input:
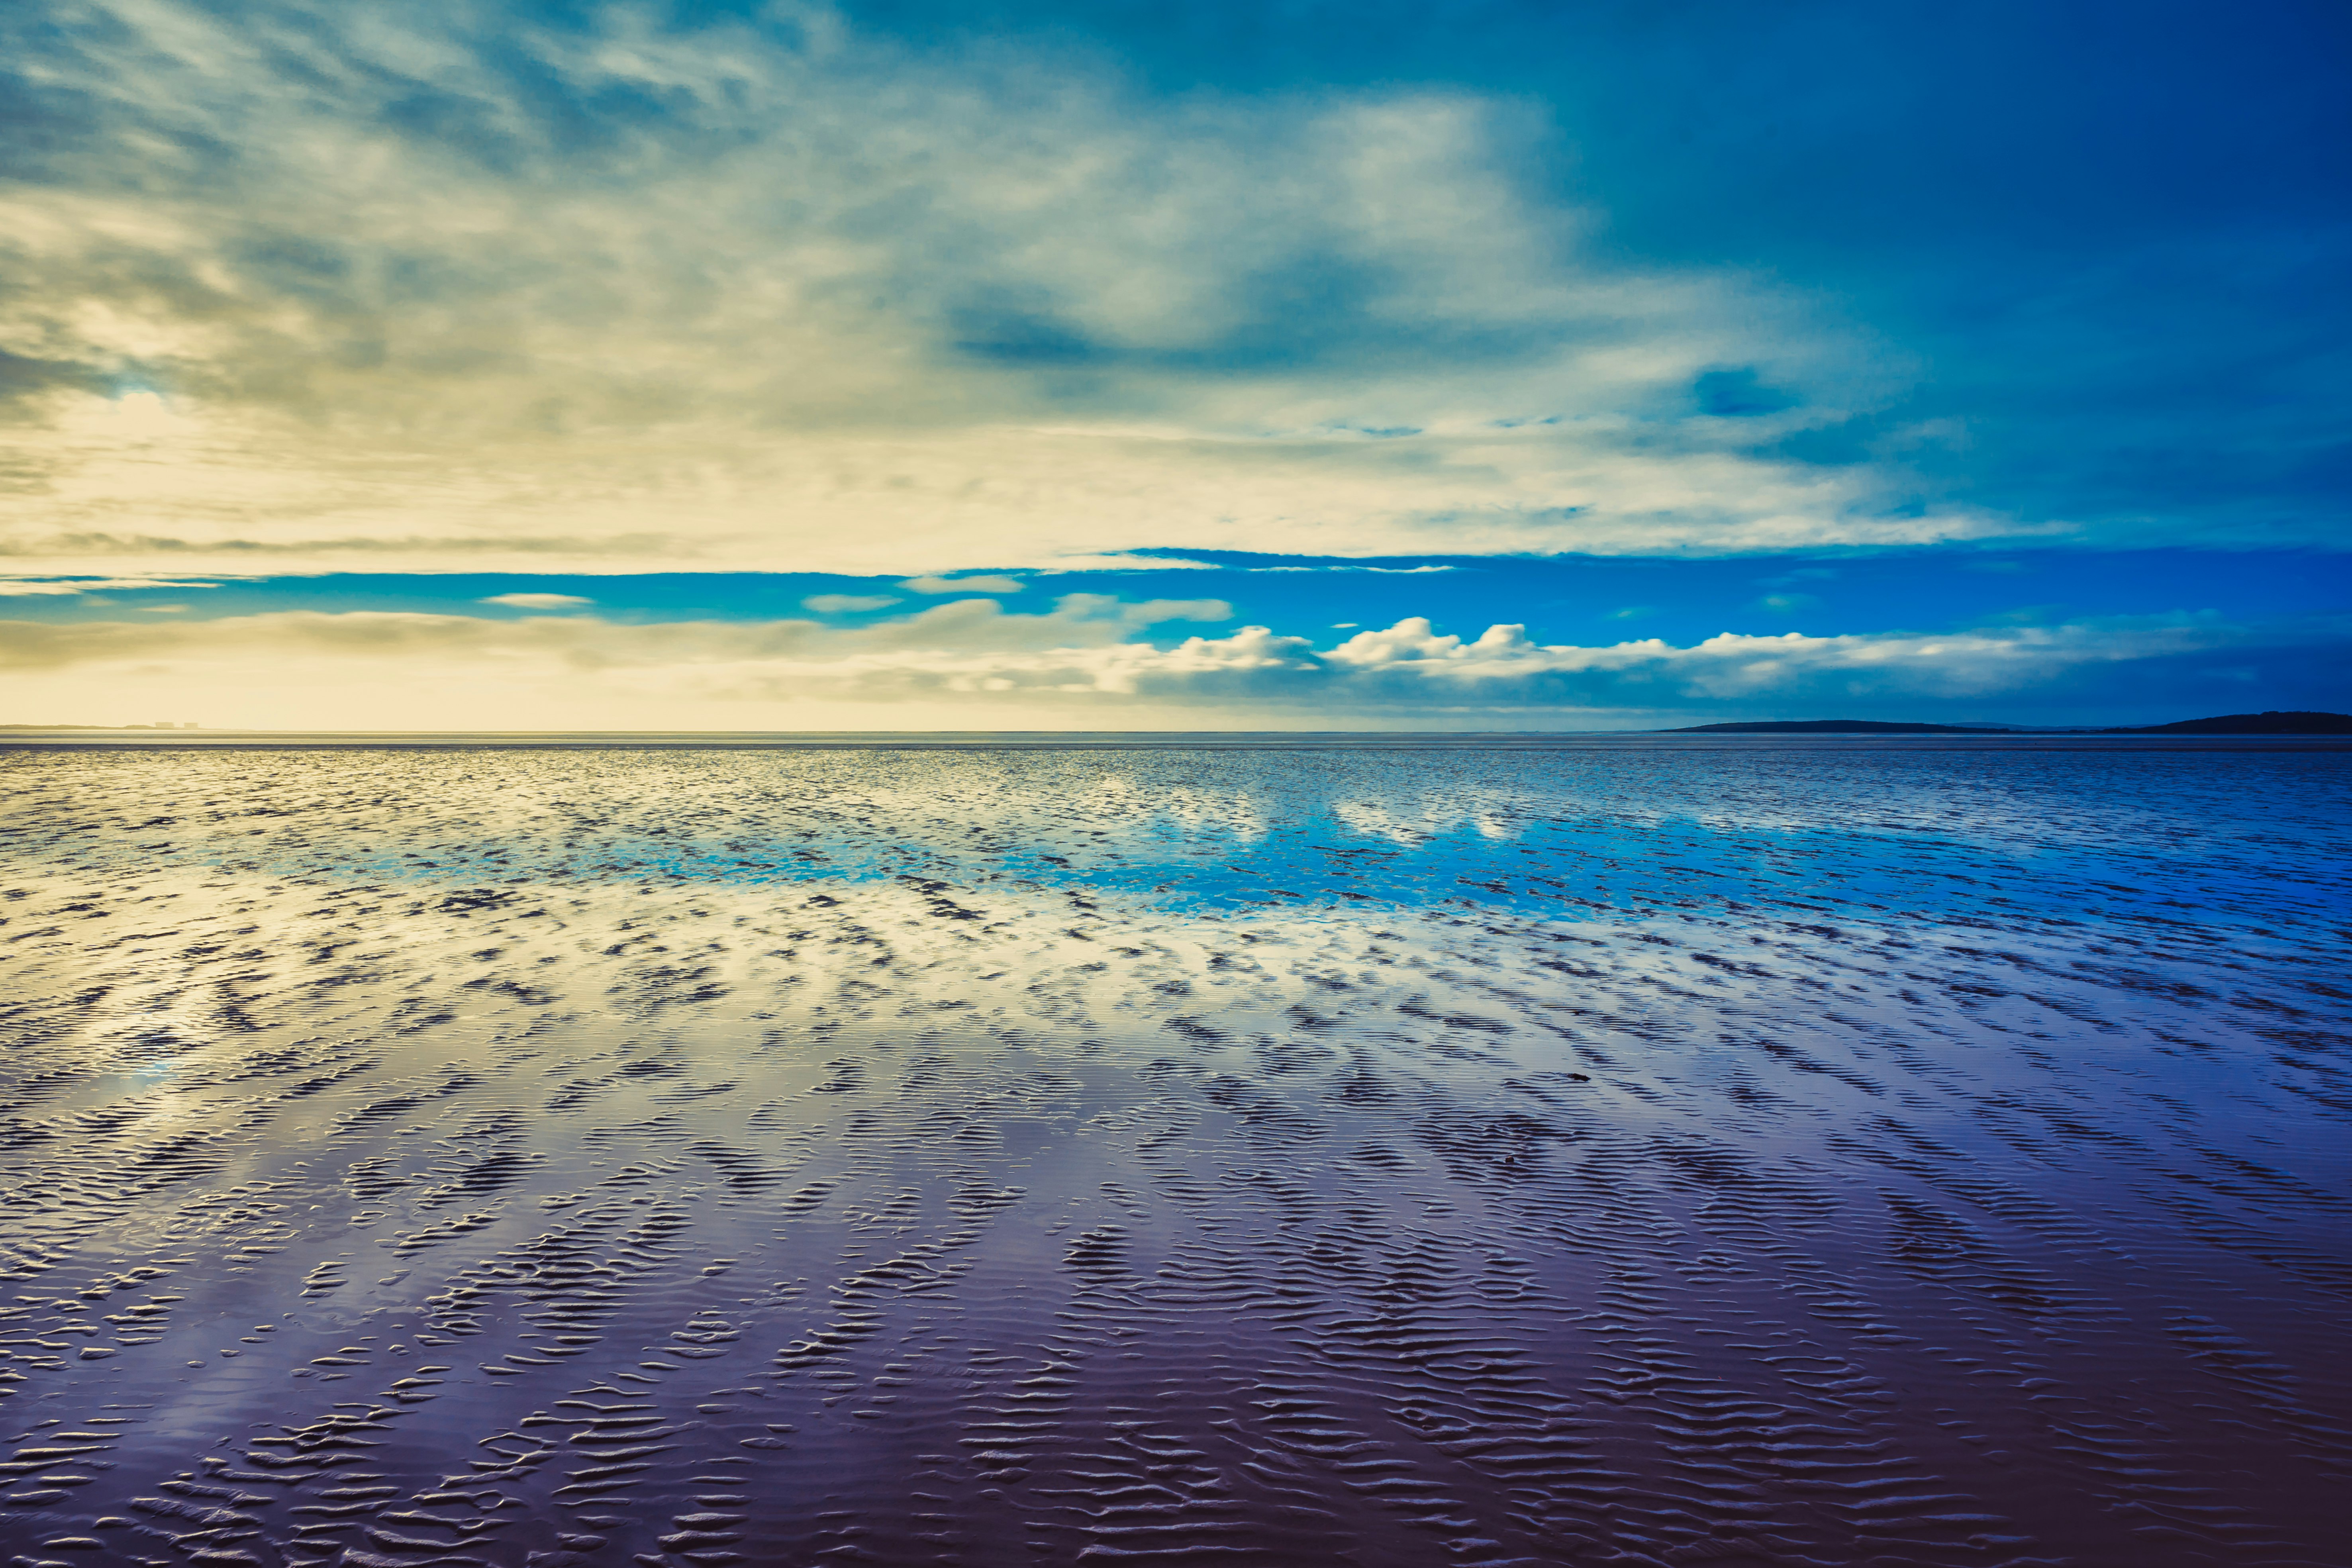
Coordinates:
column 2269, row 724
column 190, row 740
column 2272, row 723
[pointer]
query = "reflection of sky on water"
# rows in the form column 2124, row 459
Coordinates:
column 2245, row 838
column 281, row 1037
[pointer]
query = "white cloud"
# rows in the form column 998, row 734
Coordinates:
column 969, row 662
column 33, row 588
column 1127, row 563
column 984, row 584
column 837, row 307
column 844, row 603
column 1421, row 570
column 538, row 601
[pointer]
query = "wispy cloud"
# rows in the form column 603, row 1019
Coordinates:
column 1123, row 563
column 451, row 285
column 1384, row 570
column 980, row 584
column 240, row 552
column 62, row 588
column 538, row 601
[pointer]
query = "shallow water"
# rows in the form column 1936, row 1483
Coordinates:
column 1864, row 1155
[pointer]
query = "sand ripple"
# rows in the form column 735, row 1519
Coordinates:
column 1047, row 1158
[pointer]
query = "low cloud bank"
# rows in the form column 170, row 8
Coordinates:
column 1094, row 655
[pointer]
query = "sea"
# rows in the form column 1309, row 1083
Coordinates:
column 1253, row 1150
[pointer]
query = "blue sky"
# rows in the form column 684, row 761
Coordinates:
column 1727, row 360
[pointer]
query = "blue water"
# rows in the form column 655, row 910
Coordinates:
column 2256, row 839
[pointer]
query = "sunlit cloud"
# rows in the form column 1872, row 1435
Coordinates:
column 1422, row 569
column 538, row 601
column 980, row 584
column 527, row 299
column 1125, row 563
column 406, row 284
column 1089, row 658
column 67, row 587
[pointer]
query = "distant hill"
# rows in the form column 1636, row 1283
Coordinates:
column 1833, row 727
column 2270, row 723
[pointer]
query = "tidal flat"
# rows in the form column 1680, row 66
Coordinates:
column 1863, row 1154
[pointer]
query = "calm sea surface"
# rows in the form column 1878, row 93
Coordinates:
column 1382, row 1153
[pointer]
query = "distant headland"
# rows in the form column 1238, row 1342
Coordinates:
column 2268, row 723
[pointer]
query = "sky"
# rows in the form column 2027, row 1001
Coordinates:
column 1107, row 366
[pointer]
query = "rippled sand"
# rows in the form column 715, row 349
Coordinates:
column 1755, row 1157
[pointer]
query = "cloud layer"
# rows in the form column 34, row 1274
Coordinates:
column 1488, row 311
column 306, row 286
column 1089, row 662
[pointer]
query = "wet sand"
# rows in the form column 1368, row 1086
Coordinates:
column 1762, row 1156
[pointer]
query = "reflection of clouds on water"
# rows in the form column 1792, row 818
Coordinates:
column 1574, row 835
column 1186, row 812
column 1437, row 818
